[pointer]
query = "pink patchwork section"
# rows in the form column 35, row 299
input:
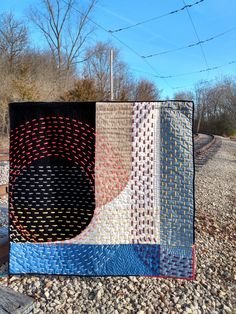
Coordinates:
column 144, row 178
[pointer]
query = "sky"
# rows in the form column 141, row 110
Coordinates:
column 200, row 22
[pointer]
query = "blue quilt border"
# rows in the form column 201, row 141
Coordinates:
column 101, row 260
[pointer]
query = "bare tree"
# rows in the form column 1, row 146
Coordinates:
column 184, row 95
column 201, row 103
column 64, row 29
column 146, row 90
column 216, row 106
column 6, row 91
column 42, row 74
column 13, row 39
column 97, row 67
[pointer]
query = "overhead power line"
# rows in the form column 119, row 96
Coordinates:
column 197, row 36
column 194, row 83
column 200, row 71
column 186, row 6
column 178, row 87
column 150, row 66
column 121, row 42
column 190, row 45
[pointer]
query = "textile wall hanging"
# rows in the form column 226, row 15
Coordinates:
column 101, row 189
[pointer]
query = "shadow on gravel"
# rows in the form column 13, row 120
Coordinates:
column 202, row 158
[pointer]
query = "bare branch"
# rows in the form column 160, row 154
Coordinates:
column 55, row 21
column 13, row 38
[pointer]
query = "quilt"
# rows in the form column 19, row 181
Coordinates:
column 102, row 189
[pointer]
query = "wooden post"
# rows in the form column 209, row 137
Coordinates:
column 14, row 302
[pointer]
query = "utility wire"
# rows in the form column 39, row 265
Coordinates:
column 137, row 54
column 200, row 71
column 185, row 86
column 122, row 42
column 189, row 73
column 176, row 87
column 186, row 6
column 190, row 45
column 144, row 72
column 196, row 33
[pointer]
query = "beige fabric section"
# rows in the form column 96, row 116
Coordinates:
column 111, row 223
column 113, row 150
column 117, row 215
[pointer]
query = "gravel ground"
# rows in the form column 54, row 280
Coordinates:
column 4, row 211
column 214, row 288
column 4, row 177
column 4, row 170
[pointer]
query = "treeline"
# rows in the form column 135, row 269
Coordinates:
column 72, row 67
column 215, row 106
